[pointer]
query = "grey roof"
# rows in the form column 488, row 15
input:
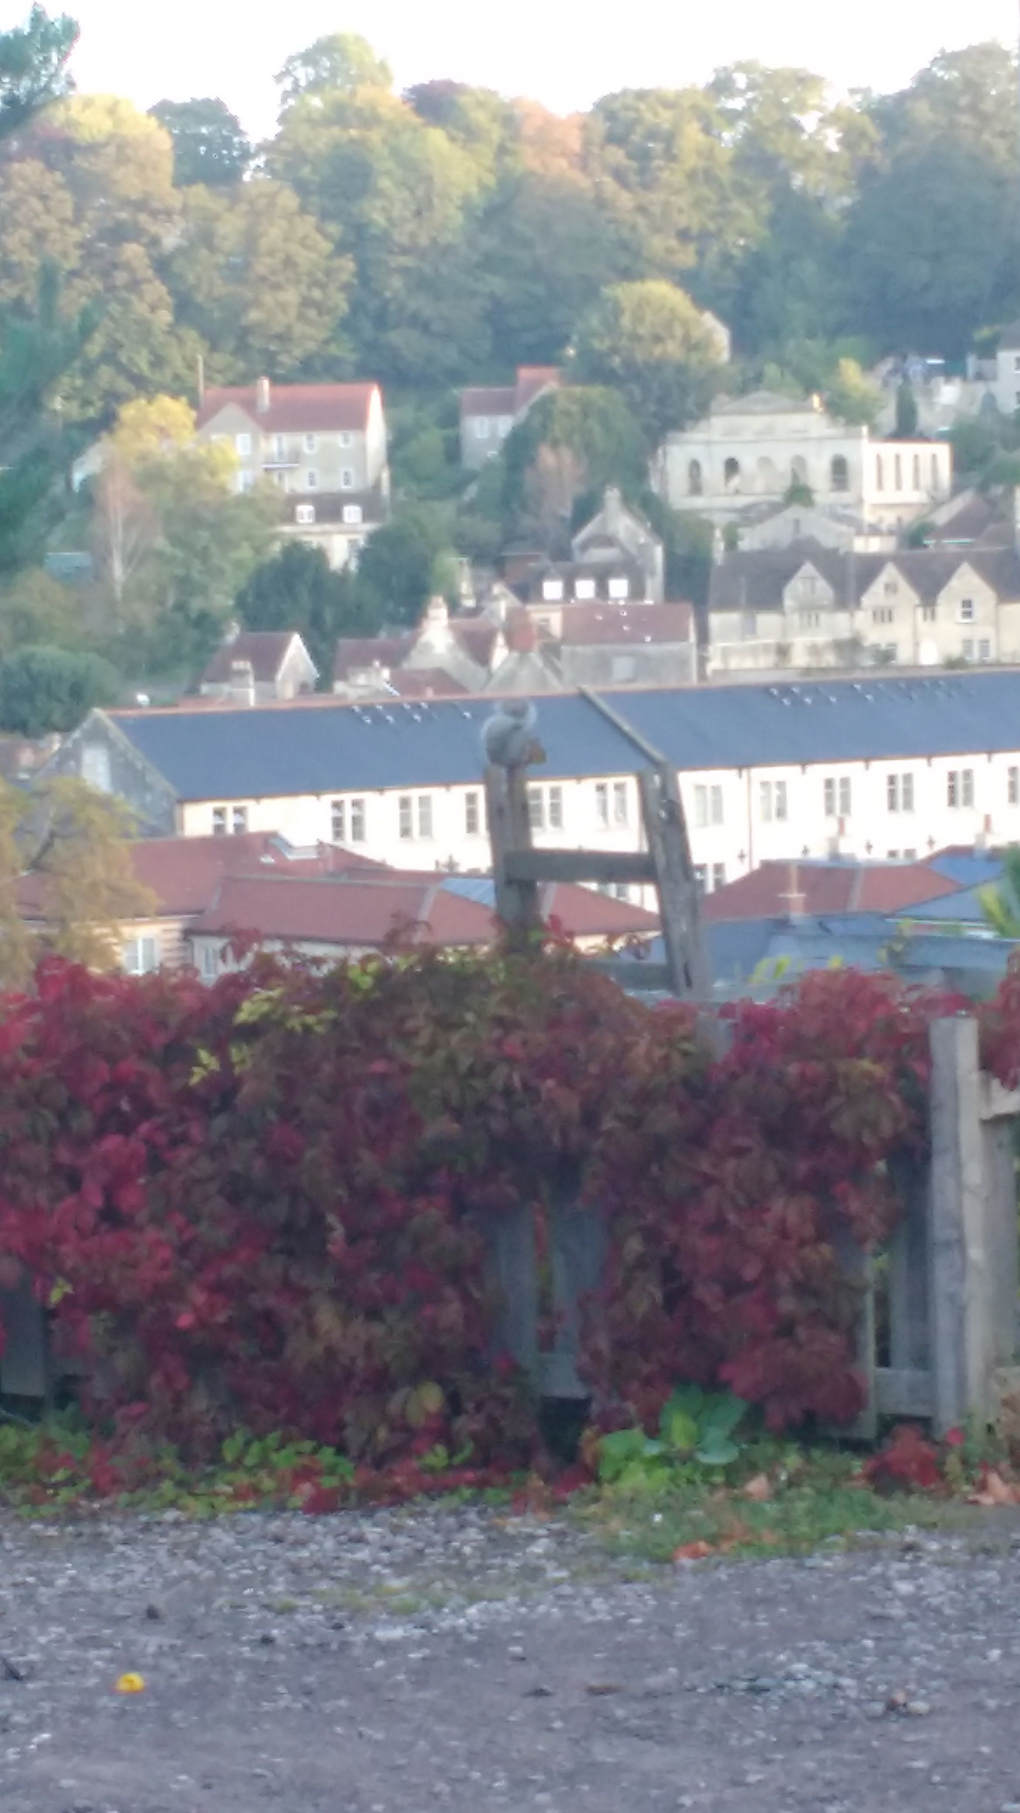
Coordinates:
column 311, row 747
column 755, row 580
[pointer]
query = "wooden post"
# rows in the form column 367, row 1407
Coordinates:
column 24, row 1366
column 666, row 830
column 512, row 1274
column 579, row 1242
column 999, row 1110
column 959, row 1282
column 506, row 799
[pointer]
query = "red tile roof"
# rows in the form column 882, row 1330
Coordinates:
column 489, row 399
column 365, row 651
column 352, row 912
column 531, row 381
column 297, row 407
column 843, row 887
column 265, row 649
column 584, row 913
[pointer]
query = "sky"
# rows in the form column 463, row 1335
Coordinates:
column 564, row 53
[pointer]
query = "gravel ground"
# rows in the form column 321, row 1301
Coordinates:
column 461, row 1660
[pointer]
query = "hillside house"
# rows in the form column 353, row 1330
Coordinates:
column 323, row 445
column 253, row 666
column 489, row 412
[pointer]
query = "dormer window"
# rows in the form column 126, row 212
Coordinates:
column 966, row 610
column 304, row 515
column 584, row 588
column 619, row 588
column 552, row 590
column 890, row 588
column 352, row 513
column 309, row 443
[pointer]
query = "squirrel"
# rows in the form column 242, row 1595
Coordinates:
column 507, row 739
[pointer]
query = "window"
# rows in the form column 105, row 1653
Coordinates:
column 620, row 810
column 584, row 588
column 357, row 821
column 960, row 787
column 279, row 447
column 309, row 443
column 765, row 801
column 810, row 620
column 346, row 479
column 602, row 802
column 718, row 875
column 928, row 612
column 243, row 444
column 708, row 806
column 304, row 515
column 899, row 792
column 352, row 513
column 239, row 820
column 967, row 648
column 844, row 797
column 481, row 430
column 346, row 438
column 219, row 821
column 882, row 614
column 95, row 766
column 536, row 809
column 984, row 649
column 898, row 473
column 780, row 801
column 312, row 481
column 245, row 481
column 404, row 815
column 967, row 786
column 840, row 474
column 141, row 956
column 556, row 808
column 966, row 610
column 1013, row 786
column 552, row 590
column 338, row 824
column 695, row 479
column 619, row 588
column 879, row 473
column 472, row 815
column 700, row 875
column 504, row 423
column 890, row 587
column 917, row 472
column 772, row 801
column 837, row 793
column 935, row 467
column 731, row 475
column 210, row 960
column 424, row 815
column 1016, row 361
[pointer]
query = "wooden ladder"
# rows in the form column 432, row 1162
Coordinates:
column 665, row 864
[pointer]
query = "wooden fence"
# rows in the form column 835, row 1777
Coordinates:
column 948, row 1285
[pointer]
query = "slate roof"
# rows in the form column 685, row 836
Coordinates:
column 488, row 399
column 322, row 745
column 755, row 580
column 623, row 624
column 297, row 408
column 329, row 507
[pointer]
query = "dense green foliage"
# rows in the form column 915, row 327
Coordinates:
column 46, row 689
column 432, row 238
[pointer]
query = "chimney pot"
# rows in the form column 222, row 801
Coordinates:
column 263, row 396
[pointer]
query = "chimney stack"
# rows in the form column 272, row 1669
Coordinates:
column 242, row 683
column 263, row 396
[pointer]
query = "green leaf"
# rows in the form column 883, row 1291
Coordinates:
column 716, row 1451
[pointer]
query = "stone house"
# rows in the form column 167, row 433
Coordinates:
column 754, row 448
column 489, row 412
column 323, row 445
column 807, row 607
column 253, row 666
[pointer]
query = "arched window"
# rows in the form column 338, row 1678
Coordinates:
column 879, row 473
column 917, row 472
column 731, row 475
column 839, row 474
column 695, row 481
column 935, row 472
column 898, row 469
column 798, row 471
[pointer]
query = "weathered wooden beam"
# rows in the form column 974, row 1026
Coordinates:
column 578, row 865
column 634, row 975
column 903, row 1391
column 679, row 908
column 959, row 1284
column 506, row 799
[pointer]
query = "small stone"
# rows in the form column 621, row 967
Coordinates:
column 11, row 1671
column 267, row 1638
column 153, row 1613
column 917, row 1709
column 897, row 1701
column 539, row 1693
column 603, row 1687
column 515, row 1652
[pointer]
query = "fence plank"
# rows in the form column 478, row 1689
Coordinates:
column 909, row 1335
column 858, row 1268
column 24, row 1365
column 1003, row 1247
column 579, row 865
column 512, row 1274
column 579, row 1243
column 957, row 1256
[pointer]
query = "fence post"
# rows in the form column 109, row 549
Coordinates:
column 959, row 1285
column 579, row 1242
